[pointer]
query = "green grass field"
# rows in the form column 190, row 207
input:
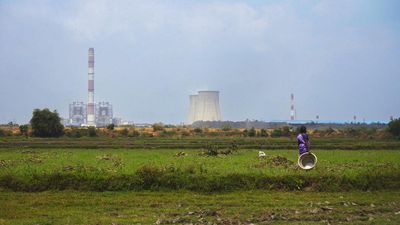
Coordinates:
column 78, row 185
column 239, row 207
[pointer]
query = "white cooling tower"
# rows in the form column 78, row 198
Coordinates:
column 204, row 107
column 192, row 109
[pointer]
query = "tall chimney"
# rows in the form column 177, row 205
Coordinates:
column 292, row 111
column 91, row 120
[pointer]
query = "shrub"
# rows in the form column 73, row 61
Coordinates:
column 75, row 133
column 264, row 133
column 92, row 131
column 110, row 126
column 252, row 132
column 226, row 128
column 281, row 132
column 23, row 129
column 394, row 127
column 198, row 130
column 46, row 123
column 158, row 127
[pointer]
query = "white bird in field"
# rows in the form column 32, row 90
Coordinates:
column 261, row 154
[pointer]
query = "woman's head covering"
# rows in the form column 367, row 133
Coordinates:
column 303, row 129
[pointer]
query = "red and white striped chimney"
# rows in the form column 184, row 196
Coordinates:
column 91, row 120
column 292, row 111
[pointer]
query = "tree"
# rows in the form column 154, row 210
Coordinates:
column 394, row 127
column 23, row 129
column 46, row 123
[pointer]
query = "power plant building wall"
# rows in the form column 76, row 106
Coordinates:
column 204, row 107
column 77, row 113
column 104, row 114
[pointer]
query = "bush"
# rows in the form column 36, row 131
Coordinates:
column 264, row 133
column 46, row 123
column 226, row 128
column 394, row 127
column 110, row 126
column 252, row 132
column 198, row 130
column 23, row 129
column 92, row 131
column 281, row 132
column 76, row 133
column 158, row 127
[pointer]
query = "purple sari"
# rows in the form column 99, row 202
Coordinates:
column 303, row 143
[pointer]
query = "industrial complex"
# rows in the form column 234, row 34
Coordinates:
column 91, row 114
column 204, row 106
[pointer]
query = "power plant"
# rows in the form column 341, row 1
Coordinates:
column 204, row 107
column 90, row 114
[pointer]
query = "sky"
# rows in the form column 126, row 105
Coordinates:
column 339, row 57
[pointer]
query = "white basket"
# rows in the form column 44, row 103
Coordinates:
column 307, row 161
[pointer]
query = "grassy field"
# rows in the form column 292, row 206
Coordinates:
column 243, row 207
column 143, row 169
column 79, row 183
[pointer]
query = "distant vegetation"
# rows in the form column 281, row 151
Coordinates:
column 394, row 127
column 46, row 123
column 43, row 127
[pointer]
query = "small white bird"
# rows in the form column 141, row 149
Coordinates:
column 261, row 154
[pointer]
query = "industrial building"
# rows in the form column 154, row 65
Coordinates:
column 90, row 114
column 204, row 107
column 104, row 114
column 77, row 113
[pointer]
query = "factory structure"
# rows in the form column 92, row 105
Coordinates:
column 204, row 107
column 91, row 114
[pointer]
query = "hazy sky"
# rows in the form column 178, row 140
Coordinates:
column 340, row 57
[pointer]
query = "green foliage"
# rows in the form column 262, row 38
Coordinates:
column 263, row 133
column 158, row 127
column 252, row 132
column 245, row 133
column 92, row 132
column 226, row 127
column 211, row 150
column 394, row 127
column 281, row 132
column 141, row 169
column 46, row 123
column 23, row 129
column 110, row 126
column 198, row 130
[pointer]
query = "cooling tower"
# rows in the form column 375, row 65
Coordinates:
column 204, row 107
column 192, row 109
column 91, row 120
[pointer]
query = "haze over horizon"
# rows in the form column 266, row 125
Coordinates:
column 339, row 58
